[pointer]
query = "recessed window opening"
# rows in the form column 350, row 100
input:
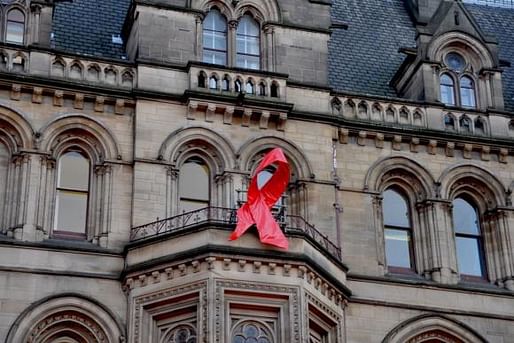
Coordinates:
column 72, row 195
column 15, row 28
column 468, row 240
column 248, row 43
column 194, row 185
column 397, row 232
column 215, row 38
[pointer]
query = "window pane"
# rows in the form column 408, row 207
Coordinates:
column 191, row 205
column 465, row 218
column 194, row 181
column 397, row 246
column 447, row 96
column 263, row 178
column 15, row 32
column 214, row 57
column 468, row 256
column 468, row 97
column 455, row 62
column 71, row 211
column 395, row 209
column 248, row 62
column 74, row 171
column 215, row 21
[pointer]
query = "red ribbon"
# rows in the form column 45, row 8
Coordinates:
column 257, row 209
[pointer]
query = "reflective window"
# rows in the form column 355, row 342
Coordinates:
column 194, row 185
column 447, row 90
column 72, row 194
column 248, row 43
column 468, row 239
column 15, row 29
column 467, row 92
column 397, row 230
column 215, row 38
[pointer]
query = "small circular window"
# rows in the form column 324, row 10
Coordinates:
column 455, row 62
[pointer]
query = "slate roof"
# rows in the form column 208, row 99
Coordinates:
column 362, row 59
column 500, row 23
column 86, row 27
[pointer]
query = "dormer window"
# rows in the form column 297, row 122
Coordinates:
column 15, row 27
column 457, row 88
column 232, row 41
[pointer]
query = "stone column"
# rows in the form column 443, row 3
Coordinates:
column 268, row 59
column 232, row 46
column 378, row 224
column 445, row 259
column 32, row 187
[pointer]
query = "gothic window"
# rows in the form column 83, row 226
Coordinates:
column 248, row 43
column 181, row 334
column 249, row 87
column 201, row 80
column 250, row 332
column 238, row 86
column 465, row 124
column 467, row 92
column 457, row 89
column 225, row 84
column 479, row 126
column 215, row 38
column 194, row 185
column 15, row 26
column 274, row 90
column 238, row 46
column 262, row 89
column 397, row 232
column 72, row 195
column 213, row 82
column 447, row 90
column 449, row 122
column 468, row 239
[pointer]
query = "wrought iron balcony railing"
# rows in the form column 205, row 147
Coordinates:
column 292, row 225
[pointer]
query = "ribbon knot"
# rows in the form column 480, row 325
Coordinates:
column 257, row 209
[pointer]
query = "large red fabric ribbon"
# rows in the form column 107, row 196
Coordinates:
column 257, row 209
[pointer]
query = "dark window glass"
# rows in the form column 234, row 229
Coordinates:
column 274, row 90
column 262, row 89
column 248, row 43
column 215, row 38
column 447, row 90
column 15, row 29
column 194, row 185
column 470, row 255
column 72, row 194
column 237, row 86
column 479, row 126
column 201, row 80
column 397, row 230
column 449, row 122
column 467, row 92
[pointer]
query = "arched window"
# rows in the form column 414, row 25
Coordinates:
column 249, row 87
column 213, row 82
column 248, row 332
column 479, row 126
column 15, row 28
column 194, row 185
column 468, row 240
column 397, row 232
column 465, row 124
column 201, row 80
column 71, row 206
column 447, row 90
column 248, row 43
column 262, row 89
column 238, row 86
column 467, row 92
column 215, row 38
column 274, row 90
column 449, row 122
column 225, row 84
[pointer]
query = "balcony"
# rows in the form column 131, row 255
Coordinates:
column 225, row 218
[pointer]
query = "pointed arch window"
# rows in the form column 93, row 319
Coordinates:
column 194, row 185
column 467, row 92
column 248, row 43
column 15, row 27
column 215, row 38
column 71, row 207
column 468, row 240
column 465, row 124
column 397, row 232
column 447, row 90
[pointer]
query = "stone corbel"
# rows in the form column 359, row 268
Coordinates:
column 78, row 103
column 119, row 107
column 210, row 113
column 282, row 119
column 16, row 92
column 247, row 115
column 58, row 98
column 37, row 95
column 191, row 110
column 99, row 103
column 228, row 115
column 263, row 123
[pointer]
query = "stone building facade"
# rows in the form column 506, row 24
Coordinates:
column 129, row 131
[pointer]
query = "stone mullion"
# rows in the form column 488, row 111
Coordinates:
column 378, row 223
column 106, row 205
column 504, row 249
column 15, row 195
column 507, row 241
column 232, row 45
column 491, row 248
column 33, row 176
column 171, row 186
column 49, row 205
column 268, row 61
column 424, row 259
column 95, row 217
column 6, row 215
column 25, row 182
column 445, row 244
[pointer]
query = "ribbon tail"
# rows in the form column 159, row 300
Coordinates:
column 269, row 231
column 244, row 221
